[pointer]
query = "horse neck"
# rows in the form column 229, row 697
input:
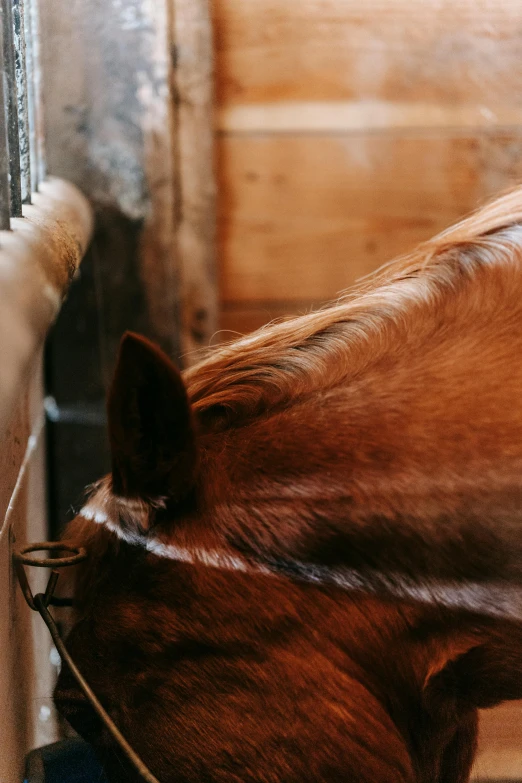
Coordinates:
column 411, row 467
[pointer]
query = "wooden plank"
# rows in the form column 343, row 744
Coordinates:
column 328, row 116
column 499, row 755
column 194, row 139
column 449, row 52
column 238, row 319
column 302, row 218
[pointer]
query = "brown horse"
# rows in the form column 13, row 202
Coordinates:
column 306, row 563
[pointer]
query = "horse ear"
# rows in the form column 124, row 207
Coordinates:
column 491, row 673
column 484, row 671
column 151, row 429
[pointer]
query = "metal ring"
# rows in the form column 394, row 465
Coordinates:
column 79, row 554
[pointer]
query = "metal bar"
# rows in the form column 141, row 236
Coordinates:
column 12, row 109
column 39, row 165
column 23, row 107
column 31, row 93
column 5, row 201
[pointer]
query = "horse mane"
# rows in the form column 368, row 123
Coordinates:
column 289, row 359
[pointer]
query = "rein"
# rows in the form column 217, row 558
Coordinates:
column 41, row 602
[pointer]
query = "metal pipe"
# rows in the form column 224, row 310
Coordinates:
column 5, row 200
column 39, row 163
column 12, row 108
column 32, row 108
column 22, row 97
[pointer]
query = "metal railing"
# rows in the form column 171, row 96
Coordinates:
column 22, row 157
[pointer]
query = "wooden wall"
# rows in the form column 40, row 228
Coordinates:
column 348, row 132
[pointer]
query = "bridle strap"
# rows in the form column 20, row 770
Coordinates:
column 40, row 603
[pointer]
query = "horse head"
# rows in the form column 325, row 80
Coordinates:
column 306, row 561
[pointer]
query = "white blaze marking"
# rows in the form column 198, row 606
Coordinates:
column 493, row 599
column 94, row 514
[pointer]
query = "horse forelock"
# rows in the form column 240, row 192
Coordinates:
column 287, row 360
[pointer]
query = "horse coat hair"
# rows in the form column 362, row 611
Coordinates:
column 307, row 561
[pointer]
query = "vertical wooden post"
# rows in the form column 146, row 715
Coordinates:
column 128, row 121
column 177, row 245
column 194, row 136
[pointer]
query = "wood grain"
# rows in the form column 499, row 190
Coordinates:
column 241, row 318
column 349, row 132
column 302, row 217
column 499, row 754
column 446, row 52
column 363, row 115
column 194, row 141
